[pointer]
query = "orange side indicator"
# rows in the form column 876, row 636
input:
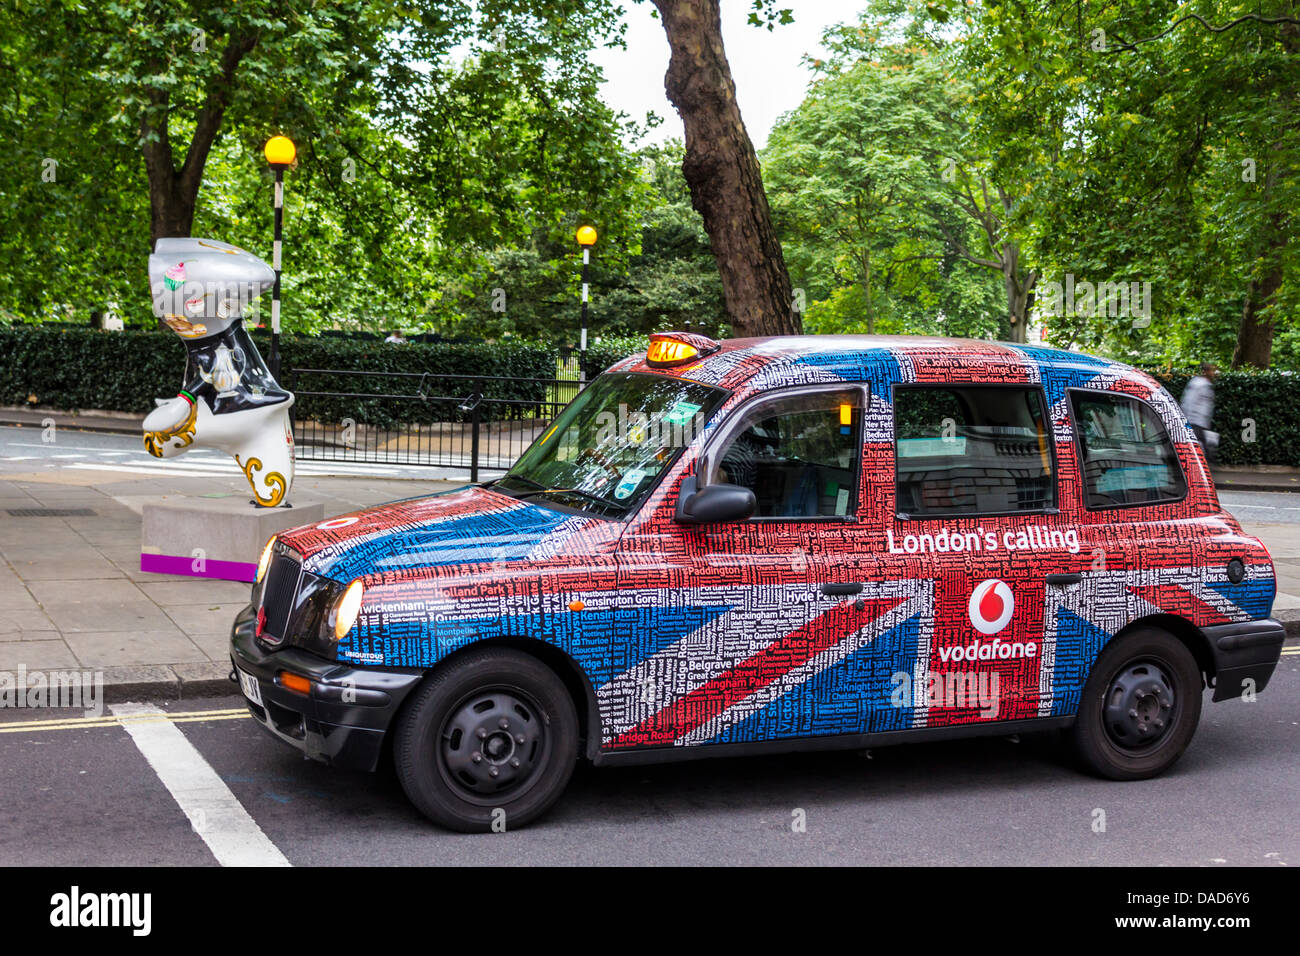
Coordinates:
column 576, row 605
column 295, row 682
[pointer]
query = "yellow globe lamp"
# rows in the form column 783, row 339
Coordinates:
column 280, row 151
column 586, row 236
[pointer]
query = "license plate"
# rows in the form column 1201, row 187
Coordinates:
column 252, row 690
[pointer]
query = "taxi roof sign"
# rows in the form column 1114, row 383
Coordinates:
column 668, row 349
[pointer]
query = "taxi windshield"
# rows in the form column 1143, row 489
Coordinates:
column 608, row 448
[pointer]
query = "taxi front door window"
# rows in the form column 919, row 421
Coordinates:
column 799, row 455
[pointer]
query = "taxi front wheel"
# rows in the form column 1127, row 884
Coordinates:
column 1140, row 706
column 488, row 742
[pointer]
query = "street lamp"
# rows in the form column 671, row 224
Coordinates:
column 586, row 237
column 280, row 152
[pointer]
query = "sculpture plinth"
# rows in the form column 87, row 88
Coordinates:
column 214, row 537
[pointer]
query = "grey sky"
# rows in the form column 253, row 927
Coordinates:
column 767, row 66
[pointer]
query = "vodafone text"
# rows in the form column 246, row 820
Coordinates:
column 994, row 650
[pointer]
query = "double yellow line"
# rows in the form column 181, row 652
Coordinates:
column 79, row 723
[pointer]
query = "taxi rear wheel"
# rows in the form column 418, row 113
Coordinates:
column 1140, row 706
column 487, row 742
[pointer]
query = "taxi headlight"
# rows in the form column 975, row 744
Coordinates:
column 346, row 609
column 265, row 560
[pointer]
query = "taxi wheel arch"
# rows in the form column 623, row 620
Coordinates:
column 1187, row 632
column 1141, row 704
column 457, row 691
column 574, row 678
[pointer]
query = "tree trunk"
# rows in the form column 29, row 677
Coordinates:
column 1255, row 334
column 174, row 193
column 1018, row 288
column 171, row 210
column 722, row 171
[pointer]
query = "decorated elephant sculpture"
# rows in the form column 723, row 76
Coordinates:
column 229, row 400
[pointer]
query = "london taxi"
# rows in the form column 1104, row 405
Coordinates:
column 763, row 545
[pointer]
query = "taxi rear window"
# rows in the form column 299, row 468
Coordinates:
column 972, row 450
column 1126, row 453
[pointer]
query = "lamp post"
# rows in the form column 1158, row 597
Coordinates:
column 280, row 152
column 586, row 237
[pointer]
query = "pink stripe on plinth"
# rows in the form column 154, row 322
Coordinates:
column 177, row 564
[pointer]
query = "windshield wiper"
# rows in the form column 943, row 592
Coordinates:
column 535, row 484
column 542, row 490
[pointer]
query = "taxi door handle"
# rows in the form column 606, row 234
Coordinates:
column 1065, row 579
column 841, row 589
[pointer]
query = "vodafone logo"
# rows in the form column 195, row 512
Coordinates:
column 991, row 606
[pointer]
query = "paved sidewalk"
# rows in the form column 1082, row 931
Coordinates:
column 72, row 595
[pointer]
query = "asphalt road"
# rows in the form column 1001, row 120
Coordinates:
column 78, row 795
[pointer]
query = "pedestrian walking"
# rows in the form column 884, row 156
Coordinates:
column 1198, row 406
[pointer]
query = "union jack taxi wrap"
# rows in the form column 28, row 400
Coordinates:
column 688, row 636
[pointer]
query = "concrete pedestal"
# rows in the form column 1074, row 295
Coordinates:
column 214, row 537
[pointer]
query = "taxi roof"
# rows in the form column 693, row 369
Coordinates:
column 794, row 359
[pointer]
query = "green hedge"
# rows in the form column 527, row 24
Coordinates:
column 493, row 362
column 125, row 371
column 601, row 355
column 73, row 367
column 1271, row 400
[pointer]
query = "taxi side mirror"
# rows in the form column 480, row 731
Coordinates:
column 714, row 503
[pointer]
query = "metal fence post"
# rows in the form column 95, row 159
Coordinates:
column 474, row 420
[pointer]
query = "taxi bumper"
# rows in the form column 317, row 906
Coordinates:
column 341, row 721
column 1245, row 655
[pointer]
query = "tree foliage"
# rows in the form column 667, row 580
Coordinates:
column 429, row 135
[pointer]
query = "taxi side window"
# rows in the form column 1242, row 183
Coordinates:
column 799, row 455
column 1127, row 457
column 971, row 450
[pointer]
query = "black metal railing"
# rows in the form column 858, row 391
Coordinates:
column 442, row 420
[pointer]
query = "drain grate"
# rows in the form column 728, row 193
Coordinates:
column 50, row 512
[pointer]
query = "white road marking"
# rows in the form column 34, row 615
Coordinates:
column 33, row 444
column 231, row 834
column 207, row 466
column 134, row 470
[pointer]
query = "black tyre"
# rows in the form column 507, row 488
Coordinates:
column 491, row 738
column 1140, row 706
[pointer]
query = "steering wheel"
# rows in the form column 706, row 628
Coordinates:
column 601, row 460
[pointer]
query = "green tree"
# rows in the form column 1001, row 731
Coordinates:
column 1160, row 145
column 878, row 216
column 662, row 277
column 428, row 133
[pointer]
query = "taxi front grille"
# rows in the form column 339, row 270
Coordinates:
column 278, row 597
